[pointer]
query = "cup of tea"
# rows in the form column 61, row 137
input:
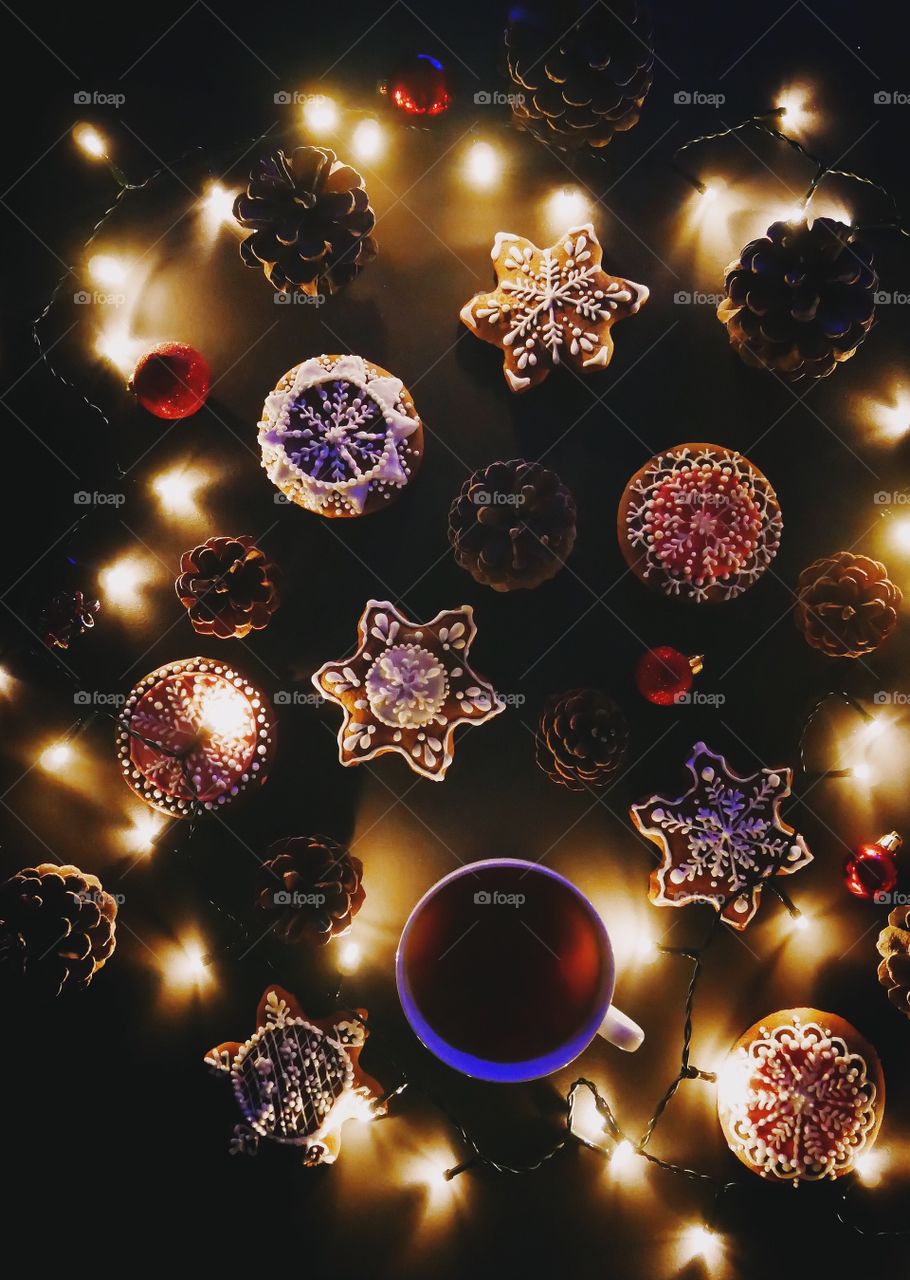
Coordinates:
column 505, row 972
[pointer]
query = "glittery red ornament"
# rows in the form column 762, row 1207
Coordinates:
column 872, row 869
column 419, row 86
column 663, row 675
column 171, row 380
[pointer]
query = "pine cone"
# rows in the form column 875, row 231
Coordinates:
column 68, row 616
column 512, row 525
column 227, row 587
column 311, row 220
column 57, row 927
column 313, row 885
column 846, row 605
column 580, row 86
column 800, row 299
column 894, row 947
column 582, row 739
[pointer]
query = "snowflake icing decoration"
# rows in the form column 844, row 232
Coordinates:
column 336, row 429
column 798, row 1102
column 721, row 838
column 551, row 306
column 408, row 688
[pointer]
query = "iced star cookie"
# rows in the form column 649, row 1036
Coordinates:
column 408, row 688
column 800, row 1096
column 720, row 839
column 699, row 522
column 551, row 306
column 340, row 436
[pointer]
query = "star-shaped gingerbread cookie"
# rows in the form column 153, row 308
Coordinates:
column 551, row 306
column 721, row 838
column 408, row 688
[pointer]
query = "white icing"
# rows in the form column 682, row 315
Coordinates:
column 406, row 686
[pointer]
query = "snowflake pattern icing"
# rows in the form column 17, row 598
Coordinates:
column 551, row 306
column 721, row 838
column 799, row 1103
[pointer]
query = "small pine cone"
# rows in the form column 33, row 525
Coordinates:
column 801, row 299
column 227, row 586
column 894, row 948
column 582, row 739
column 846, row 605
column 512, row 525
column 57, row 928
column 69, row 615
column 313, row 885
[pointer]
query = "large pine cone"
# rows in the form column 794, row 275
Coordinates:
column 311, row 221
column 846, row 605
column 57, row 927
column 313, row 885
column 800, row 299
column 894, row 947
column 227, row 587
column 580, row 86
column 512, row 525
column 582, row 739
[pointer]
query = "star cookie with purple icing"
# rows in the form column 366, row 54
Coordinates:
column 407, row 688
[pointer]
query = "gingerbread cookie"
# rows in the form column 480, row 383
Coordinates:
column 408, row 688
column 720, row 839
column 699, row 522
column 340, row 436
column 551, row 306
column 298, row 1080
column 801, row 1096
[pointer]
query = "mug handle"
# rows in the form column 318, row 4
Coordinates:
column 621, row 1030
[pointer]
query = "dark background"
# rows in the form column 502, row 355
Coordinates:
column 112, row 1128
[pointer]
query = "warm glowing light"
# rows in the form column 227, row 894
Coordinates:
column 141, row 835
column 482, row 164
column 7, row 683
column 320, row 114
column 176, row 491
column 801, row 923
column 709, row 193
column 861, row 772
column 797, row 213
column 890, row 418
column 121, row 349
column 185, row 966
column 107, row 270
column 900, row 534
column 870, row 1167
column 218, row 205
column 567, row 205
column 123, row 582
column 368, row 141
column 623, row 1157
column 699, row 1242
column 55, row 757
column 90, row 141
column 796, row 111
column 349, row 957
column 226, row 712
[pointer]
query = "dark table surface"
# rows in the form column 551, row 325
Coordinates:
column 112, row 1124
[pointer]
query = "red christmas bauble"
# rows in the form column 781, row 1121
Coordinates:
column 663, row 675
column 872, row 869
column 419, row 87
column 171, row 380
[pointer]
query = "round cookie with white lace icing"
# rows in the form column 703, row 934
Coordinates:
column 699, row 522
column 340, row 436
column 800, row 1096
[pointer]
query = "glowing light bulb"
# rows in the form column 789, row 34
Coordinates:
column 218, row 204
column 567, row 205
column 185, row 966
column 482, row 165
column 861, row 772
column 623, row 1157
column 176, row 491
column 349, row 957
column 796, row 214
column 320, row 114
column 870, row 1166
column 368, row 141
column 90, row 141
column 226, row 713
column 142, row 834
column 121, row 581
column 699, row 1242
column 55, row 757
column 795, row 112
column 900, row 534
column 710, row 193
column 801, row 923
column 120, row 349
column 7, row 683
column 107, row 270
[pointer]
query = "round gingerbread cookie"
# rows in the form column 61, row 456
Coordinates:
column 699, row 522
column 801, row 1096
column 340, row 436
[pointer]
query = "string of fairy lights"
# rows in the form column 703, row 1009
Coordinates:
column 481, row 164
